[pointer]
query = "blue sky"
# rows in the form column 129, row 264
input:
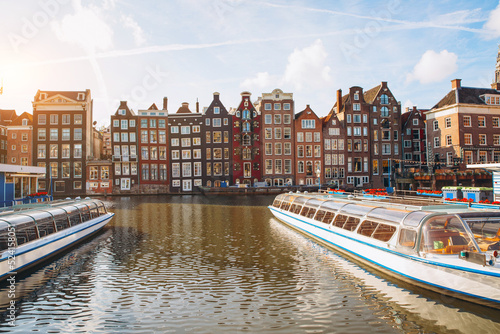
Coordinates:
column 141, row 51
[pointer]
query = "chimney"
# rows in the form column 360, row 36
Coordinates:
column 197, row 106
column 339, row 100
column 216, row 96
column 165, row 103
column 455, row 84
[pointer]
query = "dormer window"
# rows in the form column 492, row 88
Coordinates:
column 356, row 96
column 81, row 96
column 121, row 111
column 43, row 96
column 491, row 99
column 25, row 122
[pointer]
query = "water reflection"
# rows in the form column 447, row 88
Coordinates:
column 212, row 264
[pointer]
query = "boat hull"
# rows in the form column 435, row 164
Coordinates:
column 14, row 261
column 459, row 279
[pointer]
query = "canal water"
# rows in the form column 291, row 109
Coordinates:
column 195, row 264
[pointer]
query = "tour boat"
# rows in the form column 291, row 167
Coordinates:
column 446, row 248
column 30, row 236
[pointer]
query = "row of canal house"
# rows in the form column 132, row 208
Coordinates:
column 364, row 141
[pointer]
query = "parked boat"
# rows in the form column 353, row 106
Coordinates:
column 447, row 248
column 31, row 235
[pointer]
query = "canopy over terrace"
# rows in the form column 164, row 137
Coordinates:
column 16, row 182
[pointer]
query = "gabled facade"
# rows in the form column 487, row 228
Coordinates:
column 334, row 149
column 20, row 134
column 217, row 158
column 185, row 148
column 385, row 135
column 413, row 139
column 308, row 152
column 63, row 140
column 153, row 147
column 6, row 118
column 277, row 113
column 246, row 143
column 124, row 141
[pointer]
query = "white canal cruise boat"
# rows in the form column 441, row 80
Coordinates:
column 447, row 248
column 30, row 236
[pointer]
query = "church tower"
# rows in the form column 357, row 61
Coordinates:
column 496, row 82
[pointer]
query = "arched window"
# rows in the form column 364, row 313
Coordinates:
column 384, row 112
column 246, row 114
column 209, row 183
column 247, row 154
column 384, row 99
column 246, row 127
column 247, row 140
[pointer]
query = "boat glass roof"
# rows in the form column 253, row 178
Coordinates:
column 415, row 217
column 395, row 216
column 356, row 209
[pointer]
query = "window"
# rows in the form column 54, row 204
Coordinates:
column 42, row 134
column 277, row 119
column 186, row 142
column 415, row 121
column 436, row 142
column 482, row 139
column 277, row 133
column 496, row 139
column 384, row 112
column 448, row 140
column 54, row 119
column 77, row 151
column 174, row 129
column 466, row 121
column 66, row 133
column 268, row 119
column 77, row 134
column 53, row 134
column 356, row 106
column 348, row 118
column 65, row 151
column 78, row 119
column 300, row 137
column 287, row 119
column 174, row 142
column 267, row 106
column 24, row 137
column 468, row 139
column 436, row 125
column 481, row 121
column 384, row 99
column 42, row 151
column 216, row 122
column 42, row 119
column 447, row 122
column 308, row 124
column 185, row 130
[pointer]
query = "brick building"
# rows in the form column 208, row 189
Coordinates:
column 277, row 112
column 6, row 118
column 20, row 140
column 185, row 148
column 334, row 148
column 413, row 139
column 246, row 143
column 308, row 152
column 62, row 139
column 124, row 141
column 464, row 126
column 153, row 147
column 217, row 145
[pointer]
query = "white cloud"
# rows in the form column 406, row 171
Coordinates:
column 493, row 24
column 137, row 31
column 307, row 67
column 85, row 28
column 433, row 67
column 260, row 81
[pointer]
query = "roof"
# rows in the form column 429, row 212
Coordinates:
column 371, row 94
column 7, row 116
column 465, row 95
column 69, row 94
column 19, row 119
column 184, row 109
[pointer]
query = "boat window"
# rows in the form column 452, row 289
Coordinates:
column 367, row 227
column 445, row 234
column 486, row 229
column 308, row 212
column 277, row 200
column 324, row 216
column 94, row 213
column 314, row 202
column 102, row 208
column 407, row 237
column 5, row 233
column 414, row 218
column 384, row 232
column 85, row 213
column 346, row 222
column 26, row 230
column 395, row 216
column 45, row 226
column 295, row 208
column 355, row 209
column 285, row 205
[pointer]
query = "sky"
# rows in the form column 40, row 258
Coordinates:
column 185, row 50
